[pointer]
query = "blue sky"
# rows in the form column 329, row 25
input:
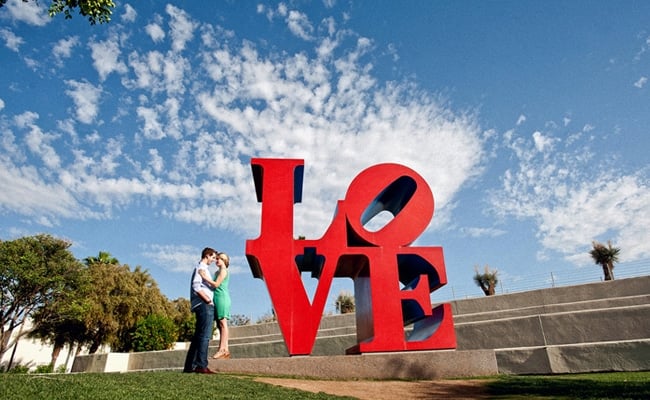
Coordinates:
column 529, row 120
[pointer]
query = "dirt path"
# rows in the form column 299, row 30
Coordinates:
column 389, row 390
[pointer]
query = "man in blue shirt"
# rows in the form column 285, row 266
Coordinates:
column 201, row 294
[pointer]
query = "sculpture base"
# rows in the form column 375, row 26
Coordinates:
column 439, row 364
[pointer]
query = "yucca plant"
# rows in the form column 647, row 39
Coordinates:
column 487, row 280
column 605, row 256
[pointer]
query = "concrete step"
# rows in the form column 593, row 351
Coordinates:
column 584, row 321
column 620, row 288
column 594, row 296
column 554, row 308
column 633, row 355
column 400, row 365
column 328, row 322
column 337, row 331
column 630, row 355
column 586, row 326
column 594, row 327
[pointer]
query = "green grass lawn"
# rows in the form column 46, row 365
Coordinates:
column 175, row 385
column 143, row 385
column 615, row 385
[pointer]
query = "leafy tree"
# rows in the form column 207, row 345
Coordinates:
column 184, row 319
column 96, row 10
column 35, row 274
column 487, row 280
column 345, row 302
column 239, row 320
column 118, row 299
column 63, row 322
column 605, row 256
column 268, row 317
column 154, row 332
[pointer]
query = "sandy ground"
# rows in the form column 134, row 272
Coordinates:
column 380, row 390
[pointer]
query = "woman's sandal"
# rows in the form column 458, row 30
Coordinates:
column 221, row 354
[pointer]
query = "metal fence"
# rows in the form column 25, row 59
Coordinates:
column 575, row 276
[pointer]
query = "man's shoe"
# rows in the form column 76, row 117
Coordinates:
column 199, row 370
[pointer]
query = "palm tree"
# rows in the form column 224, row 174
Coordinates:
column 487, row 281
column 605, row 256
column 103, row 257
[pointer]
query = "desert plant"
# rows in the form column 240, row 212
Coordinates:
column 345, row 302
column 268, row 317
column 605, row 256
column 487, row 280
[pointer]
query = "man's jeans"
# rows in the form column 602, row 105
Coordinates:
column 197, row 355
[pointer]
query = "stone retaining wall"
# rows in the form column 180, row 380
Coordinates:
column 600, row 326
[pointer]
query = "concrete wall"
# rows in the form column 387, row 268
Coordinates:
column 32, row 353
column 602, row 326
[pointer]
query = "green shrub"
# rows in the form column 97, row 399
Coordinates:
column 44, row 369
column 19, row 369
column 185, row 328
column 154, row 332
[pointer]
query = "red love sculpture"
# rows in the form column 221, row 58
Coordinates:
column 392, row 281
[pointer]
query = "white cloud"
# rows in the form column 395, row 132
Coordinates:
column 571, row 203
column 106, row 56
column 182, row 27
column 86, row 98
column 173, row 73
column 179, row 258
column 641, row 82
column 158, row 72
column 299, row 25
column 156, row 162
column 155, row 32
column 146, row 67
column 2, row 104
column 521, row 120
column 26, row 119
column 12, row 41
column 542, row 143
column 39, row 143
column 29, row 12
column 129, row 13
column 483, row 232
column 616, row 206
column 152, row 128
column 63, row 48
column 328, row 108
column 308, row 100
column 282, row 9
column 32, row 195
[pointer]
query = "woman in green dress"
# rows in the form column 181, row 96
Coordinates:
column 222, row 304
